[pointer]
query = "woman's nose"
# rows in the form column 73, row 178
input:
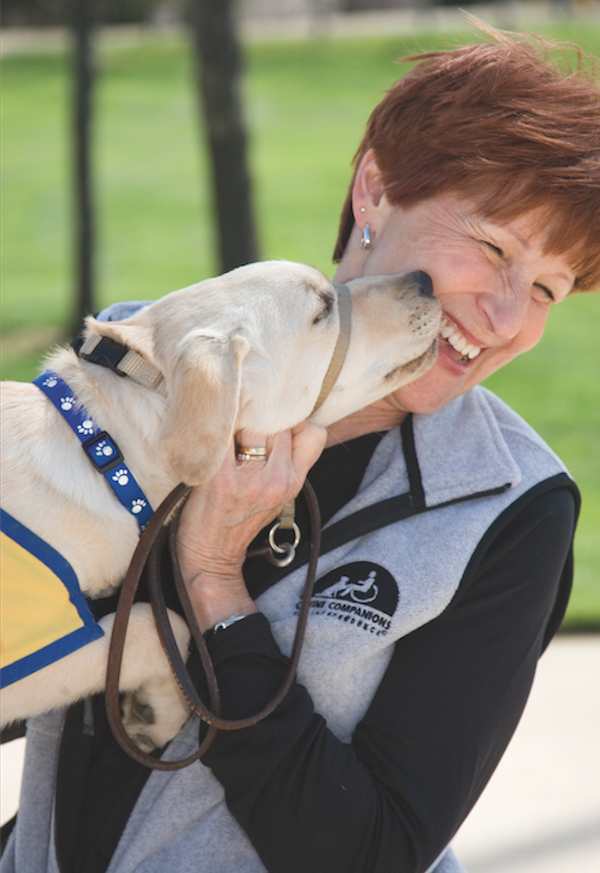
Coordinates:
column 505, row 307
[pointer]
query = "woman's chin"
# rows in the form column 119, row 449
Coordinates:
column 445, row 381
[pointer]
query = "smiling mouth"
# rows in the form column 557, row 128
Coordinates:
column 454, row 338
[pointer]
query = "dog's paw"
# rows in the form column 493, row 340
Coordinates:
column 153, row 707
column 154, row 714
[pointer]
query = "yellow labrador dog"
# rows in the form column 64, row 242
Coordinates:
column 247, row 350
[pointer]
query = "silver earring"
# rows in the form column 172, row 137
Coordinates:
column 365, row 240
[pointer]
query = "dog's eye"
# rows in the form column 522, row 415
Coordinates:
column 327, row 306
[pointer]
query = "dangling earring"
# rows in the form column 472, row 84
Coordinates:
column 365, row 239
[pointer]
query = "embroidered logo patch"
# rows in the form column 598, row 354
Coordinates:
column 362, row 594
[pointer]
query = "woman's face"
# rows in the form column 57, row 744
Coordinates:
column 494, row 282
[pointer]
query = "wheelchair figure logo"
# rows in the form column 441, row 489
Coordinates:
column 363, row 591
column 361, row 594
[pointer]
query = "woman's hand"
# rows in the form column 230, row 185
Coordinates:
column 222, row 517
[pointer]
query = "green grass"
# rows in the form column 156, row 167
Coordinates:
column 556, row 387
column 306, row 105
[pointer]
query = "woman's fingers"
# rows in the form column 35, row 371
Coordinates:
column 224, row 515
column 308, row 442
column 251, row 447
column 289, row 457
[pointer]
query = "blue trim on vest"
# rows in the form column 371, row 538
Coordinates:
column 98, row 445
column 61, row 568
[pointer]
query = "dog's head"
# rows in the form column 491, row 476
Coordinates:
column 250, row 350
column 395, row 323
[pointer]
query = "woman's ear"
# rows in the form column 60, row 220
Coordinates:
column 368, row 188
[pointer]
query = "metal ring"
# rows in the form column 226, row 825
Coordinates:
column 279, row 549
column 289, row 555
column 251, row 453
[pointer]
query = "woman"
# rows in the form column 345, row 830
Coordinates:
column 481, row 167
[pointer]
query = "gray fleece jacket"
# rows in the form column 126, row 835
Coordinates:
column 476, row 457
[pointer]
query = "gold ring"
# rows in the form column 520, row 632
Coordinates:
column 251, row 453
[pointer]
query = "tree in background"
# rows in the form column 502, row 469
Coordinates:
column 219, row 71
column 81, row 25
column 219, row 66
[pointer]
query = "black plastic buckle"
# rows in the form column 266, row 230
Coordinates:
column 107, row 353
column 92, row 441
column 77, row 343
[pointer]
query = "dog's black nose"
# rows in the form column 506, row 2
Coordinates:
column 423, row 282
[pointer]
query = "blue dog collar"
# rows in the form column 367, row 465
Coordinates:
column 98, row 445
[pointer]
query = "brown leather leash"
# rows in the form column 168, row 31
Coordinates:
column 148, row 552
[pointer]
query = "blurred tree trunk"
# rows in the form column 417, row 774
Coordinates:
column 219, row 67
column 81, row 26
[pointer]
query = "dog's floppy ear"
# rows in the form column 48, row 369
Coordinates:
column 204, row 395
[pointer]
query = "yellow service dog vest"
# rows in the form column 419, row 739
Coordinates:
column 44, row 615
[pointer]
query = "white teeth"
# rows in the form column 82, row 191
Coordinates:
column 455, row 338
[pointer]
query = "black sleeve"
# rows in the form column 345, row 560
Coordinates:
column 433, row 734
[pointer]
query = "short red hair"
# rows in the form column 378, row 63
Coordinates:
column 504, row 124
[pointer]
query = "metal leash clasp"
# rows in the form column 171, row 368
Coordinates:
column 288, row 550
column 272, row 551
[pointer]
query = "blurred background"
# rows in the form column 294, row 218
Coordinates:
column 303, row 77
column 121, row 123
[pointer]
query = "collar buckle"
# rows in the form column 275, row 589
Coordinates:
column 120, row 359
column 103, row 351
column 103, row 452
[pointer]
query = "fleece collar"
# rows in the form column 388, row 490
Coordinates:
column 472, row 447
column 461, row 450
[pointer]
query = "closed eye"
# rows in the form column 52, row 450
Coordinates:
column 494, row 248
column 548, row 293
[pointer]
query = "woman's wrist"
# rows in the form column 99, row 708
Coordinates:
column 214, row 580
column 216, row 598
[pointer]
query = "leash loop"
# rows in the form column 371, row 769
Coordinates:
column 149, row 551
column 129, row 588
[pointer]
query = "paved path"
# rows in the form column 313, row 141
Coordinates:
column 541, row 811
column 258, row 23
column 504, row 14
